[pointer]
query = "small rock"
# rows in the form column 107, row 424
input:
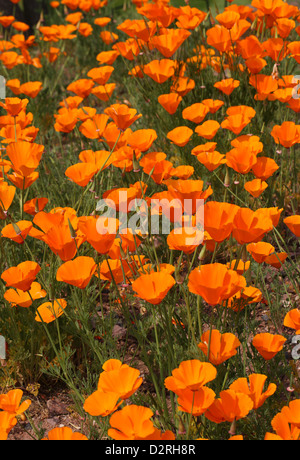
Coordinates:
column 56, row 407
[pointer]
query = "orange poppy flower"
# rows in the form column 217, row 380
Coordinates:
column 114, row 270
column 195, row 402
column 219, row 37
column 202, row 148
column 21, row 276
column 255, row 64
column 64, row 433
column 213, row 104
column 211, row 160
column 195, row 112
column 100, row 75
column 25, row 156
column 215, row 283
column 7, row 422
column 50, row 311
column 273, row 213
column 190, row 375
column 20, row 26
column 287, row 134
column 6, row 21
column 292, row 320
column 208, row 129
column 264, row 168
column 131, row 423
column 81, row 87
column 122, row 115
column 268, row 345
column 275, row 48
column 254, row 388
column 142, row 139
column 104, row 92
column 102, row 404
column 108, row 37
column 293, row 223
column 185, row 239
column 260, row 251
column 218, row 347
column 21, row 181
column 7, row 193
column 102, row 22
column 77, row 272
column 182, row 85
column 276, row 260
column 235, row 123
column 100, row 232
column 17, row 231
column 160, row 70
column 14, row 105
column 264, row 85
column 153, row 287
column 154, row 164
column 31, row 89
column 107, row 57
column 11, row 402
column 128, row 49
column 168, row 42
column 229, row 406
column 123, row 380
column 227, row 85
column 183, row 172
column 17, row 297
column 81, row 173
column 250, row 226
column 255, row 187
column 239, row 266
column 189, row 192
column 180, row 135
column 94, row 128
column 219, row 218
column 65, row 122
column 170, row 102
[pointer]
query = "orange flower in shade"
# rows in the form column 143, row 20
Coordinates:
column 160, row 70
column 114, row 270
column 227, row 85
column 239, row 266
column 131, row 423
column 180, row 135
column 292, row 320
column 7, row 422
column 100, row 232
column 254, row 388
column 229, row 406
column 64, row 433
column 195, row 112
column 18, row 231
column 213, row 104
column 101, row 404
column 190, row 375
column 264, row 168
column 185, row 239
column 50, row 311
column 195, row 402
column 260, row 251
column 6, row 21
column 276, row 260
column 122, row 115
column 170, row 102
column 215, row 283
column 65, row 122
column 218, row 347
column 77, row 272
column 287, row 134
column 208, row 129
column 168, row 42
column 293, row 223
column 156, row 165
column 11, row 402
column 25, row 156
column 241, row 159
column 21, row 276
column 17, row 297
column 250, row 226
column 268, row 345
column 256, row 187
column 35, row 205
column 218, row 219
column 153, row 287
column 182, row 85
column 104, row 92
